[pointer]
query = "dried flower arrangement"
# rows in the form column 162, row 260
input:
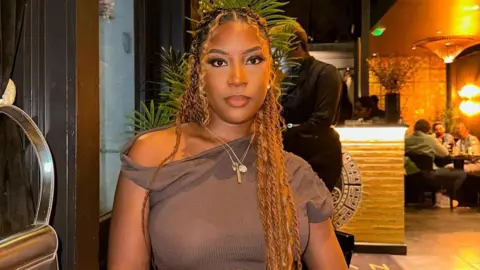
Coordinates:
column 392, row 72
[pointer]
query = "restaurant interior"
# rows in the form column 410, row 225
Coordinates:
column 436, row 44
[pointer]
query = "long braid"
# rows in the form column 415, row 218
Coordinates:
column 276, row 203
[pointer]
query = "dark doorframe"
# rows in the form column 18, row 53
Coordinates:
column 158, row 23
column 57, row 77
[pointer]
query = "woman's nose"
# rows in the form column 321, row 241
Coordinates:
column 237, row 76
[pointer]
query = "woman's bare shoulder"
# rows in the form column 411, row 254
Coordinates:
column 150, row 148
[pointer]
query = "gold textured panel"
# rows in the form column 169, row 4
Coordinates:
column 423, row 97
column 380, row 216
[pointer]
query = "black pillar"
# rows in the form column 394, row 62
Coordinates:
column 363, row 50
column 448, row 84
column 57, row 78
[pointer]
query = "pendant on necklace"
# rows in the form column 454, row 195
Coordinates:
column 242, row 168
column 239, row 177
column 235, row 166
column 239, row 169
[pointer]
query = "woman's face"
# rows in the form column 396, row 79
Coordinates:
column 237, row 70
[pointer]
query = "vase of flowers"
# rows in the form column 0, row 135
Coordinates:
column 392, row 73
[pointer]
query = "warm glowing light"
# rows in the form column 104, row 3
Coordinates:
column 448, row 59
column 469, row 91
column 472, row 8
column 420, row 111
column 465, row 17
column 366, row 133
column 470, row 108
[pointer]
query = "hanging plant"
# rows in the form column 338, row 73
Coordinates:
column 175, row 65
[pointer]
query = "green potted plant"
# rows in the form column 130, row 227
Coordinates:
column 451, row 117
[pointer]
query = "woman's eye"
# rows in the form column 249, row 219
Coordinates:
column 216, row 62
column 255, row 60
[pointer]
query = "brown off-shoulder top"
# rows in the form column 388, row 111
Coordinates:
column 201, row 218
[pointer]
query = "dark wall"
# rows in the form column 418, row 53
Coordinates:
column 329, row 21
column 56, row 72
column 325, row 21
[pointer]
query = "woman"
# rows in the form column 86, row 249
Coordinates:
column 227, row 196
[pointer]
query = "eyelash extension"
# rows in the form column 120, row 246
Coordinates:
column 212, row 61
column 261, row 58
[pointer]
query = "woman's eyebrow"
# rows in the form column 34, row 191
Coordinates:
column 218, row 51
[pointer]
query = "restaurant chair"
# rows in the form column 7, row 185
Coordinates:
column 418, row 183
column 425, row 164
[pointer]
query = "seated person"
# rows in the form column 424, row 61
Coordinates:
column 421, row 143
column 468, row 143
column 444, row 138
column 376, row 111
column 363, row 108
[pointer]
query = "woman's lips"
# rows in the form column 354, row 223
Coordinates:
column 237, row 101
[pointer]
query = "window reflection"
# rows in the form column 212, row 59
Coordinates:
column 117, row 88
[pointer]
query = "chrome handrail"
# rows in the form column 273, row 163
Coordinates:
column 44, row 157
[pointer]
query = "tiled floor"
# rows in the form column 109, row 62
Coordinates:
column 437, row 239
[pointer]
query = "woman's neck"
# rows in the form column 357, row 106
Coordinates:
column 230, row 132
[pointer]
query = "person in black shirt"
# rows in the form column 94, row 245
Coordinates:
column 376, row 112
column 310, row 109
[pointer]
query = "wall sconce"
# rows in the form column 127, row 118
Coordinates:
column 469, row 107
column 469, row 91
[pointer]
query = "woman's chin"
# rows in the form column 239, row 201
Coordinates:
column 238, row 119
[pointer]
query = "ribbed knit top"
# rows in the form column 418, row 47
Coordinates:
column 202, row 219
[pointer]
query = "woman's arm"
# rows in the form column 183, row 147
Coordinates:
column 323, row 251
column 128, row 245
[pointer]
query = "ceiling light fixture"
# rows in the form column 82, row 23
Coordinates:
column 447, row 47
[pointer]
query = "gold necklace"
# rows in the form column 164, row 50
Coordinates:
column 238, row 165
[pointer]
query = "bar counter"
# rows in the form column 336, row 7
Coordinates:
column 371, row 202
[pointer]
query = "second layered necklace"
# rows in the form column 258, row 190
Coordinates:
column 237, row 163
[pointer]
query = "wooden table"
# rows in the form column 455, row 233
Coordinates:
column 459, row 160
